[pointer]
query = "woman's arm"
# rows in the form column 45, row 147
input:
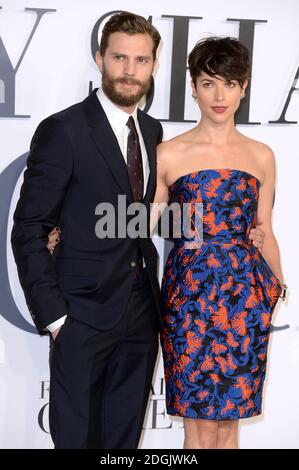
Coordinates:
column 270, row 249
column 162, row 194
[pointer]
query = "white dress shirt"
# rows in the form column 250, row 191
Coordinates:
column 118, row 121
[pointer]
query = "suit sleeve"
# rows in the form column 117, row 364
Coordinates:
column 46, row 179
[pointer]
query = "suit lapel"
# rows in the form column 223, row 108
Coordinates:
column 106, row 143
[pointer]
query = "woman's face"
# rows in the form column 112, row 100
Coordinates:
column 218, row 98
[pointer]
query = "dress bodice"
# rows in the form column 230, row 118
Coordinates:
column 229, row 200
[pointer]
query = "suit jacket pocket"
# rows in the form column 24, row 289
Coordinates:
column 79, row 284
column 80, row 276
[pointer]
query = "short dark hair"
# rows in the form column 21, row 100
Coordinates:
column 223, row 56
column 129, row 23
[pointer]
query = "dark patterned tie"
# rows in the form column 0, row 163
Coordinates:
column 134, row 162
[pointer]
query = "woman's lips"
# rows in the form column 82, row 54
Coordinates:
column 219, row 109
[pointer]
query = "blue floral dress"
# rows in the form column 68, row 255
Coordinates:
column 218, row 301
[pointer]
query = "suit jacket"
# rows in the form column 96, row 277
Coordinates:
column 74, row 164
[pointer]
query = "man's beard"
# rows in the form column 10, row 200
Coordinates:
column 122, row 99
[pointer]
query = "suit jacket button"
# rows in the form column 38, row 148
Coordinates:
column 133, row 264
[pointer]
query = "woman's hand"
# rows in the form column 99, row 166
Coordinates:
column 54, row 239
column 257, row 236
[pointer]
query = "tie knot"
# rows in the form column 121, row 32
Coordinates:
column 131, row 125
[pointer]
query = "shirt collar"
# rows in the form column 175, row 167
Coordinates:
column 116, row 116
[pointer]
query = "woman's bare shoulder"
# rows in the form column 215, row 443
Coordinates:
column 259, row 148
column 173, row 146
column 261, row 152
column 178, row 143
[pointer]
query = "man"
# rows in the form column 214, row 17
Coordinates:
column 95, row 296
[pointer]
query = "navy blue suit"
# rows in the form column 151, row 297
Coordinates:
column 74, row 164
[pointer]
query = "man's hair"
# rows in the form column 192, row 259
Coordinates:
column 226, row 57
column 129, row 23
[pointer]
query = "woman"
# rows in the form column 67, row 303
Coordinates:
column 218, row 298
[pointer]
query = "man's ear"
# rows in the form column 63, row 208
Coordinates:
column 99, row 60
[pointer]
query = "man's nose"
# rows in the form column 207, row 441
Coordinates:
column 130, row 68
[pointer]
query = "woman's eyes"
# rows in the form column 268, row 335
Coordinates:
column 210, row 84
column 230, row 84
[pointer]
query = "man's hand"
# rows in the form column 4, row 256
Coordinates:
column 53, row 239
column 55, row 333
column 257, row 236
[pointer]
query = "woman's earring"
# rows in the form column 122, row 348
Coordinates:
column 194, row 97
column 243, row 95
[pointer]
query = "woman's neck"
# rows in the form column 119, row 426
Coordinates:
column 217, row 133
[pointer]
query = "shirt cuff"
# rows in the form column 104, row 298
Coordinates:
column 56, row 324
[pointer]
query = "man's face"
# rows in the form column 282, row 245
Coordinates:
column 126, row 68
